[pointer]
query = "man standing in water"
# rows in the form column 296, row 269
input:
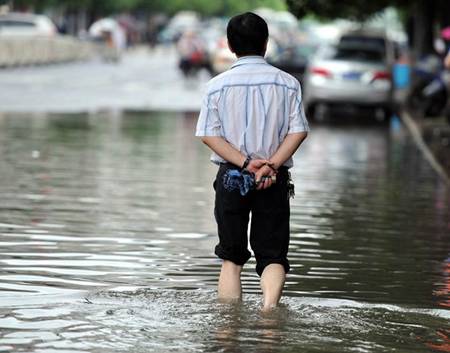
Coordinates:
column 252, row 118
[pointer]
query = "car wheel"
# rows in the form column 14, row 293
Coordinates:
column 437, row 104
column 447, row 114
column 320, row 112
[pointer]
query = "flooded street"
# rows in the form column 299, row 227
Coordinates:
column 107, row 238
column 142, row 79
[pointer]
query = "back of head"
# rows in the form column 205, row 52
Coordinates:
column 247, row 34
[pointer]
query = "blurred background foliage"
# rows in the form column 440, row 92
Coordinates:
column 106, row 7
column 422, row 19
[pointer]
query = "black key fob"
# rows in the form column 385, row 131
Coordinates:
column 291, row 188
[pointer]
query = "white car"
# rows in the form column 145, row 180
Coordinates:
column 25, row 24
column 354, row 74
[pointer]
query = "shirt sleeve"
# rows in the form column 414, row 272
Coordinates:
column 209, row 123
column 297, row 117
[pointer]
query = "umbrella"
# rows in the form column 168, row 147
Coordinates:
column 103, row 25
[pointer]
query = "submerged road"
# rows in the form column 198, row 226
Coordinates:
column 142, row 80
column 118, row 209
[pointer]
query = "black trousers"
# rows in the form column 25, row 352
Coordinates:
column 269, row 227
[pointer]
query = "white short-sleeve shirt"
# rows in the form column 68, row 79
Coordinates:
column 253, row 106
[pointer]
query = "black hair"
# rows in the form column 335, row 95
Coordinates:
column 247, row 34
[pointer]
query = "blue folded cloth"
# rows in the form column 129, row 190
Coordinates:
column 235, row 179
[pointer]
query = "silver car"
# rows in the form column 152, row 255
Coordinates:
column 25, row 24
column 350, row 75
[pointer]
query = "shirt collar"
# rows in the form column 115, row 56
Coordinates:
column 249, row 59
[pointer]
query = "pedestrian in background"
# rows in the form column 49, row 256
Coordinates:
column 253, row 120
column 192, row 53
column 445, row 35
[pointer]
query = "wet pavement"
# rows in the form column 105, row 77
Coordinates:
column 436, row 134
column 107, row 238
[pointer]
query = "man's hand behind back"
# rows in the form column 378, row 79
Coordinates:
column 260, row 168
column 255, row 165
column 264, row 183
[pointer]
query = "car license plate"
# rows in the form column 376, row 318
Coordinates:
column 352, row 76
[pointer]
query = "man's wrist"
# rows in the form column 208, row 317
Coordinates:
column 246, row 162
column 273, row 165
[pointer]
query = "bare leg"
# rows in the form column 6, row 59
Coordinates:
column 230, row 281
column 272, row 282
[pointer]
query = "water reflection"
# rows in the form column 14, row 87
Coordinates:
column 106, row 239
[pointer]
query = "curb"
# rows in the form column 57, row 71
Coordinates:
column 417, row 137
column 24, row 51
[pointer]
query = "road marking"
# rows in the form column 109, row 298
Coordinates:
column 417, row 137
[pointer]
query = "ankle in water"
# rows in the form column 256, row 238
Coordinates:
column 268, row 307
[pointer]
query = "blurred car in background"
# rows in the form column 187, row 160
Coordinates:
column 183, row 21
column 373, row 38
column 212, row 30
column 293, row 59
column 287, row 48
column 25, row 24
column 354, row 74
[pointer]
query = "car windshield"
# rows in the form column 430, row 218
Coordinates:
column 12, row 23
column 306, row 50
column 299, row 52
column 363, row 40
column 362, row 53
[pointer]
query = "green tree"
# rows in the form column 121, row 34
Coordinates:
column 211, row 8
column 106, row 7
column 423, row 18
column 352, row 9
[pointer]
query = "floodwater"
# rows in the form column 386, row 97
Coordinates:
column 107, row 238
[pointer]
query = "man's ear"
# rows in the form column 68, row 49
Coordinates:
column 229, row 47
column 265, row 47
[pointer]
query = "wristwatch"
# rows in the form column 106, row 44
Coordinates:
column 247, row 161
